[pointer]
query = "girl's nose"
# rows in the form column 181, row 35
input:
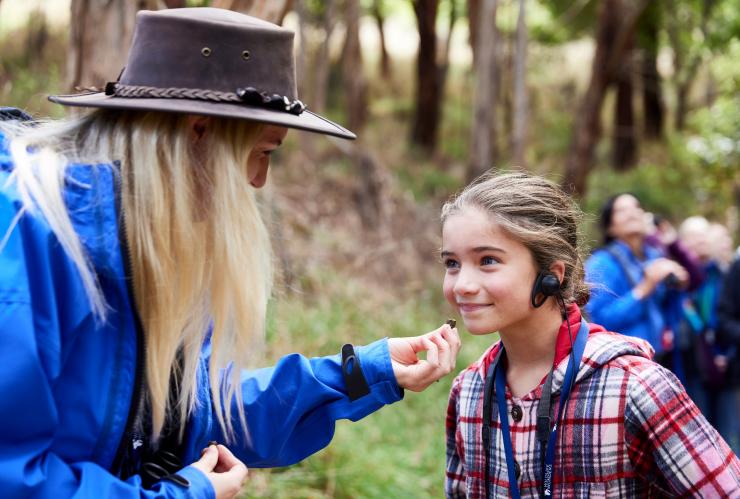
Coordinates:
column 466, row 284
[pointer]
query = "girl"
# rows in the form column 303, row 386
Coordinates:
column 135, row 269
column 558, row 406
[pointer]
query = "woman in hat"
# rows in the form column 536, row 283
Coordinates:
column 135, row 271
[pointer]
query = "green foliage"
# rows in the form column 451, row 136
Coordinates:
column 32, row 65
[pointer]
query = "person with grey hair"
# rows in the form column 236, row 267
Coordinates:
column 135, row 271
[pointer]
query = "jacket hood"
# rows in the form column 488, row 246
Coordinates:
column 602, row 347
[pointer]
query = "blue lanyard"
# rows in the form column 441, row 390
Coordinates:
column 548, row 465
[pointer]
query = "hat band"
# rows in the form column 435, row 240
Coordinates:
column 247, row 95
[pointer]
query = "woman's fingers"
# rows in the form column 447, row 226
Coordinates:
column 433, row 350
column 226, row 460
column 208, row 459
column 441, row 346
column 225, row 471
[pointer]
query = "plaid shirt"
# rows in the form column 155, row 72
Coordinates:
column 628, row 430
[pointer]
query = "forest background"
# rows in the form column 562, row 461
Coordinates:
column 601, row 96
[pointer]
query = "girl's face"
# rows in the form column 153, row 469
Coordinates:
column 489, row 275
column 628, row 217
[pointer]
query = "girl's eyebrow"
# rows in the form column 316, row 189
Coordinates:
column 482, row 249
column 477, row 249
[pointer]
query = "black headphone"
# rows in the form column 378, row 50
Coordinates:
column 546, row 284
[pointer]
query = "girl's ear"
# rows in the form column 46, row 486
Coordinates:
column 558, row 268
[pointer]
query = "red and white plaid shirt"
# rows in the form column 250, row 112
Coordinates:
column 629, row 430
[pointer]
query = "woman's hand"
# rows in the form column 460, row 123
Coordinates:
column 656, row 272
column 412, row 373
column 225, row 472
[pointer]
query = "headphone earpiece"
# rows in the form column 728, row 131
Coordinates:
column 546, row 284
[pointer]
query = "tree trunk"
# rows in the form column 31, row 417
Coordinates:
column 519, row 137
column 100, row 35
column 385, row 61
column 273, row 11
column 484, row 94
column 652, row 98
column 473, row 17
column 444, row 63
column 616, row 25
column 353, row 76
column 428, row 92
column 323, row 58
column 624, row 152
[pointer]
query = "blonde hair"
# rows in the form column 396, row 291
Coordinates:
column 537, row 213
column 199, row 252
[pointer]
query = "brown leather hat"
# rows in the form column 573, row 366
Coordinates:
column 210, row 62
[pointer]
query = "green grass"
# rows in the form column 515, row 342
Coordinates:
column 400, row 450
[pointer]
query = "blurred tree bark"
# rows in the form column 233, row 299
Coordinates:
column 616, row 24
column 519, row 135
column 378, row 11
column 353, row 73
column 482, row 148
column 322, row 60
column 444, row 62
column 269, row 10
column 473, row 10
column 100, row 34
column 369, row 188
column 652, row 95
column 428, row 91
column 624, row 145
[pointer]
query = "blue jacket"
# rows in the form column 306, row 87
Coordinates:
column 612, row 302
column 67, row 379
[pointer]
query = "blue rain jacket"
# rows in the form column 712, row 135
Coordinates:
column 612, row 303
column 67, row 379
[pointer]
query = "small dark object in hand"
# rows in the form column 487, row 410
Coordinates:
column 672, row 282
column 212, row 442
column 452, row 323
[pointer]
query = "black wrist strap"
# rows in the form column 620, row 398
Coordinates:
column 354, row 379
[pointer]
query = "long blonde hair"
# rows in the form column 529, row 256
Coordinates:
column 200, row 253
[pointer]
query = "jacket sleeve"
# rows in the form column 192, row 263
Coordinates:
column 671, row 444
column 292, row 409
column 612, row 303
column 455, row 486
column 32, row 328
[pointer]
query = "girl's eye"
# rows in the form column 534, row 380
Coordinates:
column 451, row 264
column 488, row 260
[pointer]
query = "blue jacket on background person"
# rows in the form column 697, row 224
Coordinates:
column 67, row 379
column 614, row 305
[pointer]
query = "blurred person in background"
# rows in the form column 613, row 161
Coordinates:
column 713, row 390
column 662, row 235
column 728, row 338
column 634, row 286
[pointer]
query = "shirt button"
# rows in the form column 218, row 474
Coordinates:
column 517, row 470
column 516, row 413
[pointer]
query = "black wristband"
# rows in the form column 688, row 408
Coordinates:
column 354, row 379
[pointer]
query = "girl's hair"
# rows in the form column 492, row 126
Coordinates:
column 200, row 253
column 537, row 213
column 607, row 210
